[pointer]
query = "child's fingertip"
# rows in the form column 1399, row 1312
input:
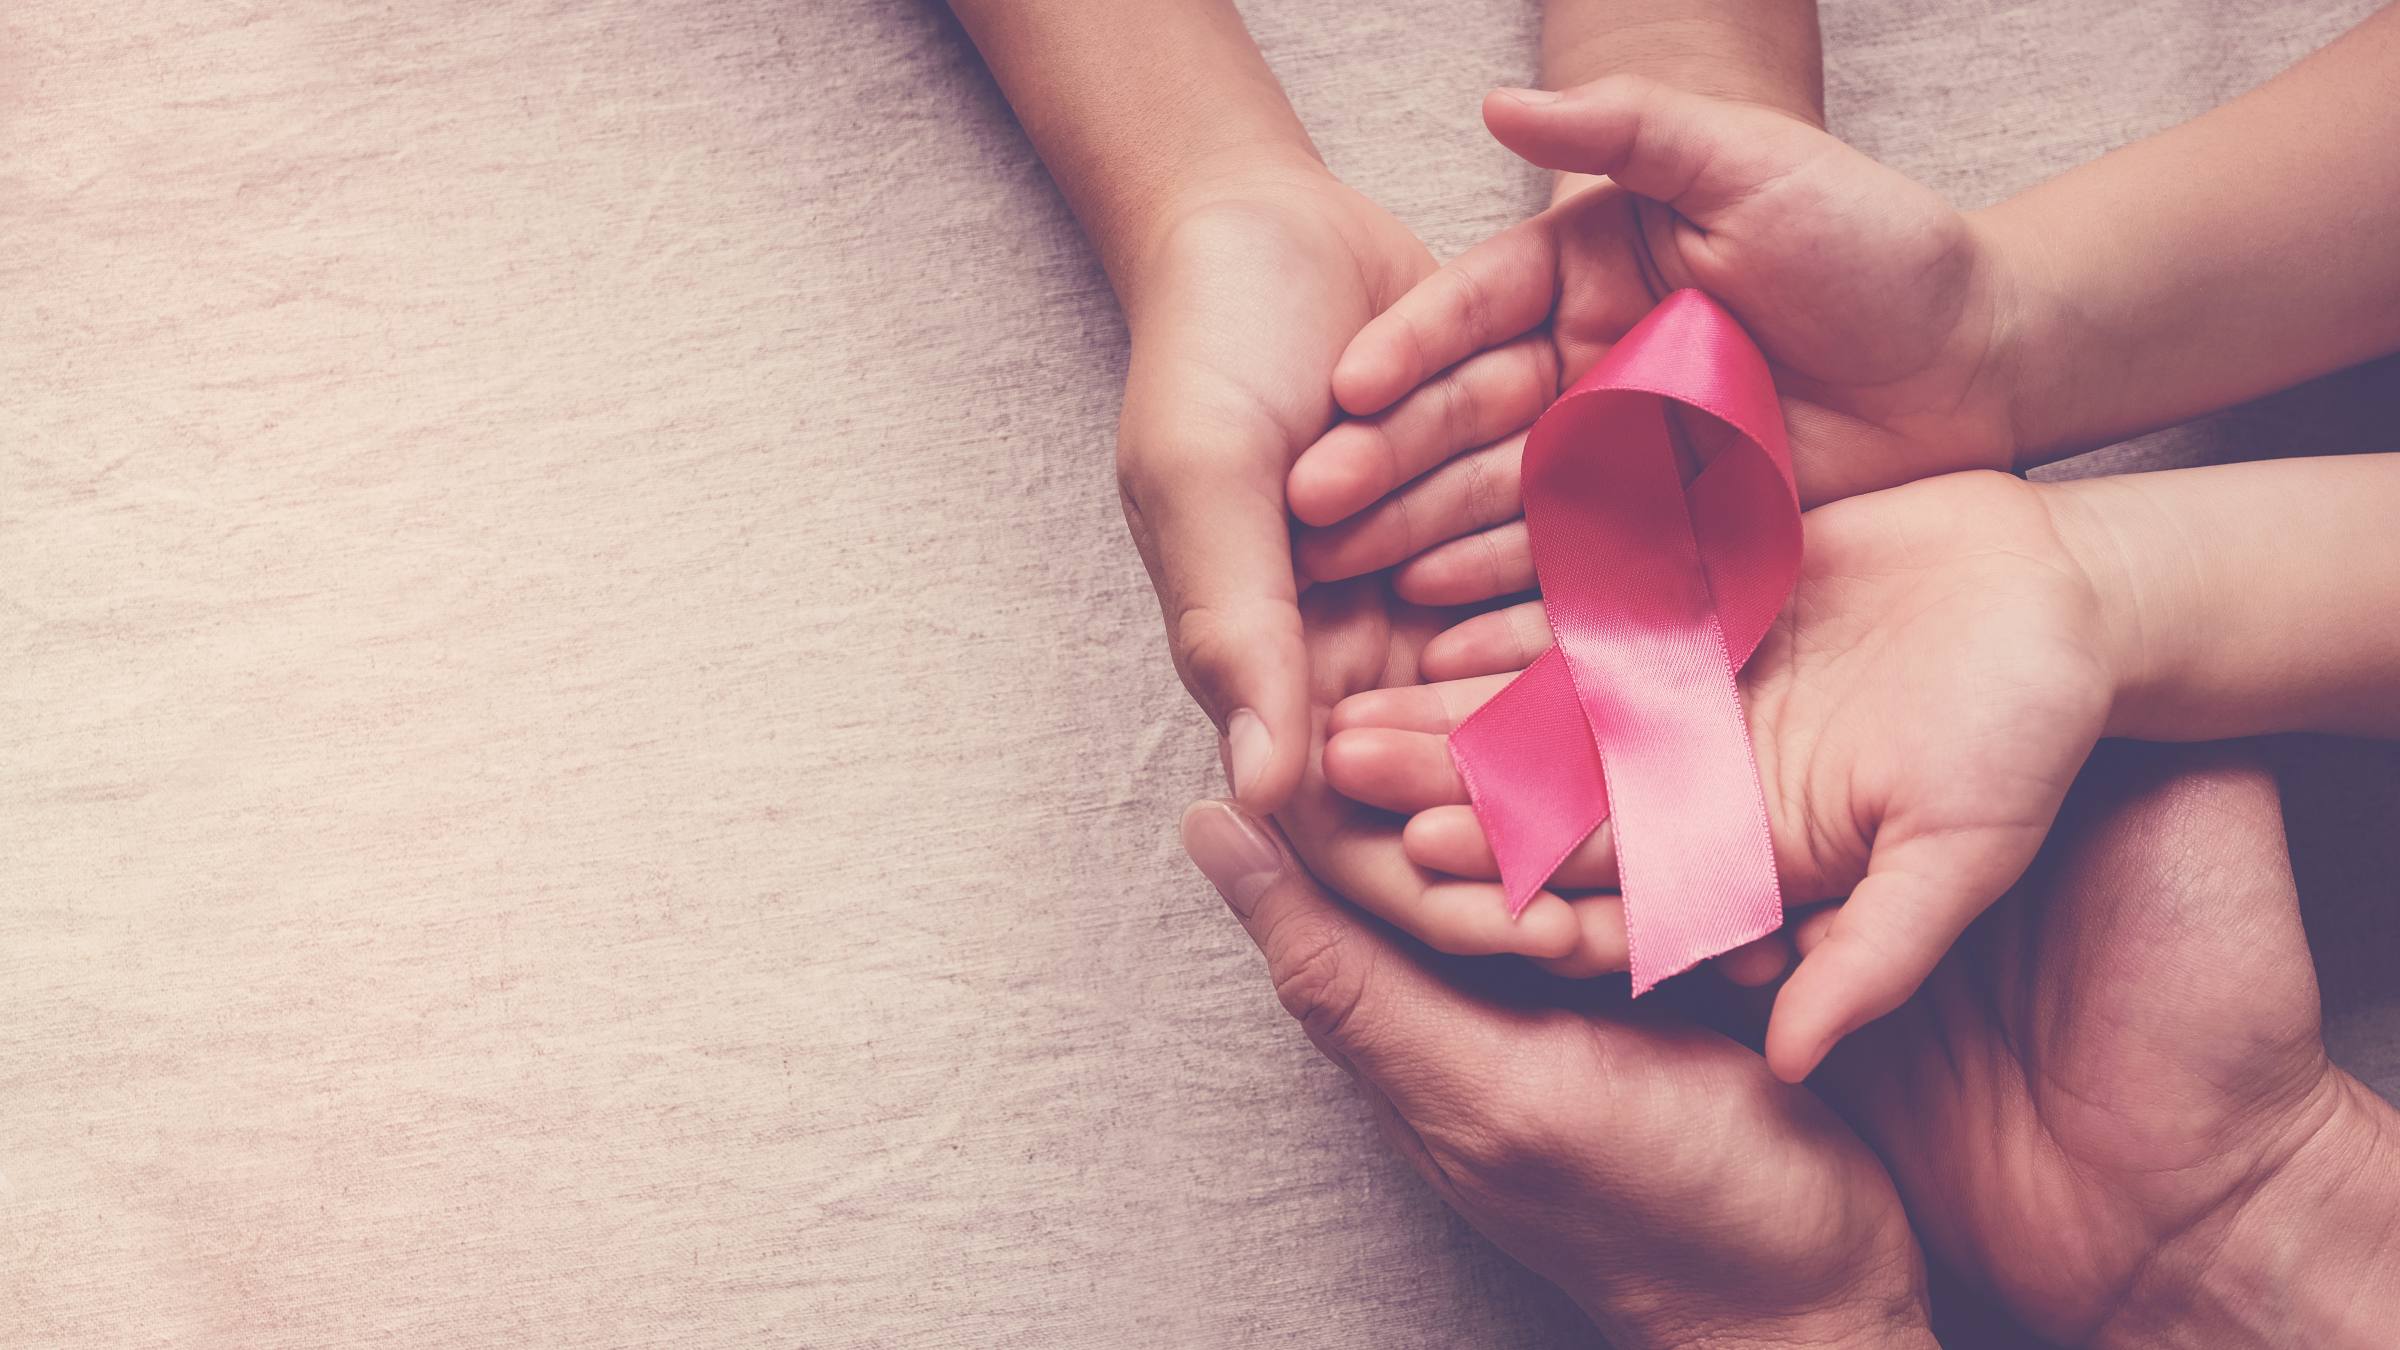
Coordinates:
column 1548, row 928
column 1756, row 964
column 1365, row 381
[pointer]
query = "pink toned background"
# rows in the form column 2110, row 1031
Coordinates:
column 583, row 759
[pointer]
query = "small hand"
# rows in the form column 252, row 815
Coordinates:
column 1918, row 712
column 1654, row 1170
column 1244, row 303
column 1362, row 638
column 1886, row 315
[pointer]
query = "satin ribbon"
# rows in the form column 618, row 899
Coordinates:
column 1658, row 589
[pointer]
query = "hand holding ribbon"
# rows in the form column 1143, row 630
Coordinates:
column 1656, row 592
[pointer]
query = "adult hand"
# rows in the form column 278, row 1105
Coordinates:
column 1262, row 272
column 2112, row 1100
column 1654, row 1170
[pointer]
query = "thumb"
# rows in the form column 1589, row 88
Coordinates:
column 1919, row 895
column 1217, row 541
column 1368, row 1004
column 1697, row 154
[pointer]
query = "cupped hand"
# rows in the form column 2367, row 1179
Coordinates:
column 1918, row 712
column 1237, row 315
column 1654, row 1170
column 1361, row 637
column 1889, row 319
column 2114, row 1089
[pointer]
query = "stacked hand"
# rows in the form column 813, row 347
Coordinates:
column 1258, row 277
column 1918, row 713
column 1884, row 312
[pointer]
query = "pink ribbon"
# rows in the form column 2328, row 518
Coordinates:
column 1657, row 590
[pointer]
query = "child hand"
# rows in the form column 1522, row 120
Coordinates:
column 1918, row 712
column 1887, row 315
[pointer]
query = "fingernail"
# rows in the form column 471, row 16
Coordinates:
column 1247, row 747
column 1232, row 852
column 1532, row 98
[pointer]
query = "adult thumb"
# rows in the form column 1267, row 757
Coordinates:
column 1362, row 999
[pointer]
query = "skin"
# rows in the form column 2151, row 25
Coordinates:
column 1909, row 339
column 1951, row 653
column 1918, row 713
column 1654, row 1170
column 2111, row 1102
column 1878, row 307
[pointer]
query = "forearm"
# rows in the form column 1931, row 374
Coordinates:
column 2237, row 254
column 2245, row 599
column 1134, row 106
column 1756, row 51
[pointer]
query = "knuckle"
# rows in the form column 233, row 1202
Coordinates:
column 1321, row 973
column 1205, row 642
column 1517, row 1136
column 1481, row 493
column 1530, row 627
column 1473, row 300
column 1540, row 371
column 1462, row 408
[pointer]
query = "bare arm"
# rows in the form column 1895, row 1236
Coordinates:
column 2247, row 598
column 2242, row 252
column 1757, row 51
column 1133, row 106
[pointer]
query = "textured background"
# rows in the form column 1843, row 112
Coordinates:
column 583, row 758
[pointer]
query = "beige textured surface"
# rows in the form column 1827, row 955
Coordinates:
column 583, row 760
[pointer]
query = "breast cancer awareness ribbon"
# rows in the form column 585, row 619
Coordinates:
column 1658, row 589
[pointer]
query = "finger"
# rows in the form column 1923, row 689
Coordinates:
column 1756, row 964
column 1502, row 640
column 1356, row 993
column 1810, row 928
column 1479, row 567
column 1475, row 490
column 1211, row 527
column 1436, row 708
column 1481, row 399
column 1356, row 851
column 1404, row 771
column 1697, row 154
column 1600, row 947
column 1918, row 896
column 1485, row 296
column 1450, row 839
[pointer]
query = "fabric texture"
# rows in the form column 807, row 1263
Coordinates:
column 584, row 759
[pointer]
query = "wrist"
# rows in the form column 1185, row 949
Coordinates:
column 2308, row 1254
column 1738, row 57
column 2036, row 332
column 1881, row 1303
column 1251, row 176
column 2123, row 548
column 1901, row 1325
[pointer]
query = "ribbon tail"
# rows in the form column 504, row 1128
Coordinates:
column 1532, row 738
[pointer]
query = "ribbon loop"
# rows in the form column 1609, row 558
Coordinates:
column 1657, row 591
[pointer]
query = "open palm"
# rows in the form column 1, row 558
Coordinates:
column 1918, row 712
